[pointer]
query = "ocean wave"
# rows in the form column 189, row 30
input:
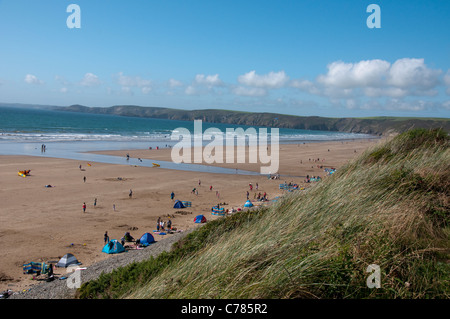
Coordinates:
column 67, row 137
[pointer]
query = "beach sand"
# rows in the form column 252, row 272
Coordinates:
column 42, row 224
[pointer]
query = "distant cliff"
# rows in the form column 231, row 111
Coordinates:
column 375, row 125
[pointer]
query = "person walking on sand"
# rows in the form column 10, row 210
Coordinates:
column 130, row 194
column 172, row 195
column 95, row 202
column 84, row 207
column 106, row 237
column 84, row 179
column 114, row 207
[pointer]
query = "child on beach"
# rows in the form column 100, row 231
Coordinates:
column 84, row 207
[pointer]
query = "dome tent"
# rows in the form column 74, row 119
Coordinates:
column 113, row 247
column 200, row 219
column 248, row 203
column 178, row 204
column 146, row 239
column 67, row 260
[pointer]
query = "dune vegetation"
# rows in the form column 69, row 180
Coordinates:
column 388, row 207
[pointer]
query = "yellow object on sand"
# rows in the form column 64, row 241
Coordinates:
column 155, row 165
column 24, row 173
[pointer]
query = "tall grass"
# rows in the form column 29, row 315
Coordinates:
column 389, row 207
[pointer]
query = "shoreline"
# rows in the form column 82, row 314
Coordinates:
column 41, row 224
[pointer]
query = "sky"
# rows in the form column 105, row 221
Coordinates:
column 300, row 57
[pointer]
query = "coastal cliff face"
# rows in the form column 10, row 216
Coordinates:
column 376, row 125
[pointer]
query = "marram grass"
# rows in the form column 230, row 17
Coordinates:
column 389, row 207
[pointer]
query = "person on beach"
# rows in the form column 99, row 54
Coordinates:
column 106, row 237
column 114, row 207
column 169, row 224
column 95, row 202
column 158, row 223
column 84, row 179
column 130, row 194
column 84, row 207
column 172, row 195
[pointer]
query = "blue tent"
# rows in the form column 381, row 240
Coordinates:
column 113, row 247
column 147, row 239
column 248, row 204
column 200, row 219
column 178, row 204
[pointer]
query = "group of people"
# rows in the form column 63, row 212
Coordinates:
column 262, row 197
column 162, row 226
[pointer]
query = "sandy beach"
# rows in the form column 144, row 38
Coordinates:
column 42, row 224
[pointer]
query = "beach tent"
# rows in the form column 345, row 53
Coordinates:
column 113, row 247
column 178, row 204
column 248, row 204
column 200, row 219
column 67, row 260
column 146, row 239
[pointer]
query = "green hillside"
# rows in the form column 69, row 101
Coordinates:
column 374, row 125
column 389, row 207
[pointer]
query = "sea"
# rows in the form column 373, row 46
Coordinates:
column 72, row 135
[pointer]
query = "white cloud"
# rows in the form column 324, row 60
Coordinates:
column 32, row 79
column 90, row 80
column 447, row 81
column 175, row 83
column 244, row 91
column 208, row 80
column 412, row 73
column 446, row 105
column 129, row 82
column 351, row 75
column 190, row 90
column 378, row 78
column 305, row 85
column 271, row 80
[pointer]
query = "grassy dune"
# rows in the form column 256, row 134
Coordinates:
column 389, row 207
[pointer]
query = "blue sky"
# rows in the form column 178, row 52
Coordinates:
column 289, row 56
